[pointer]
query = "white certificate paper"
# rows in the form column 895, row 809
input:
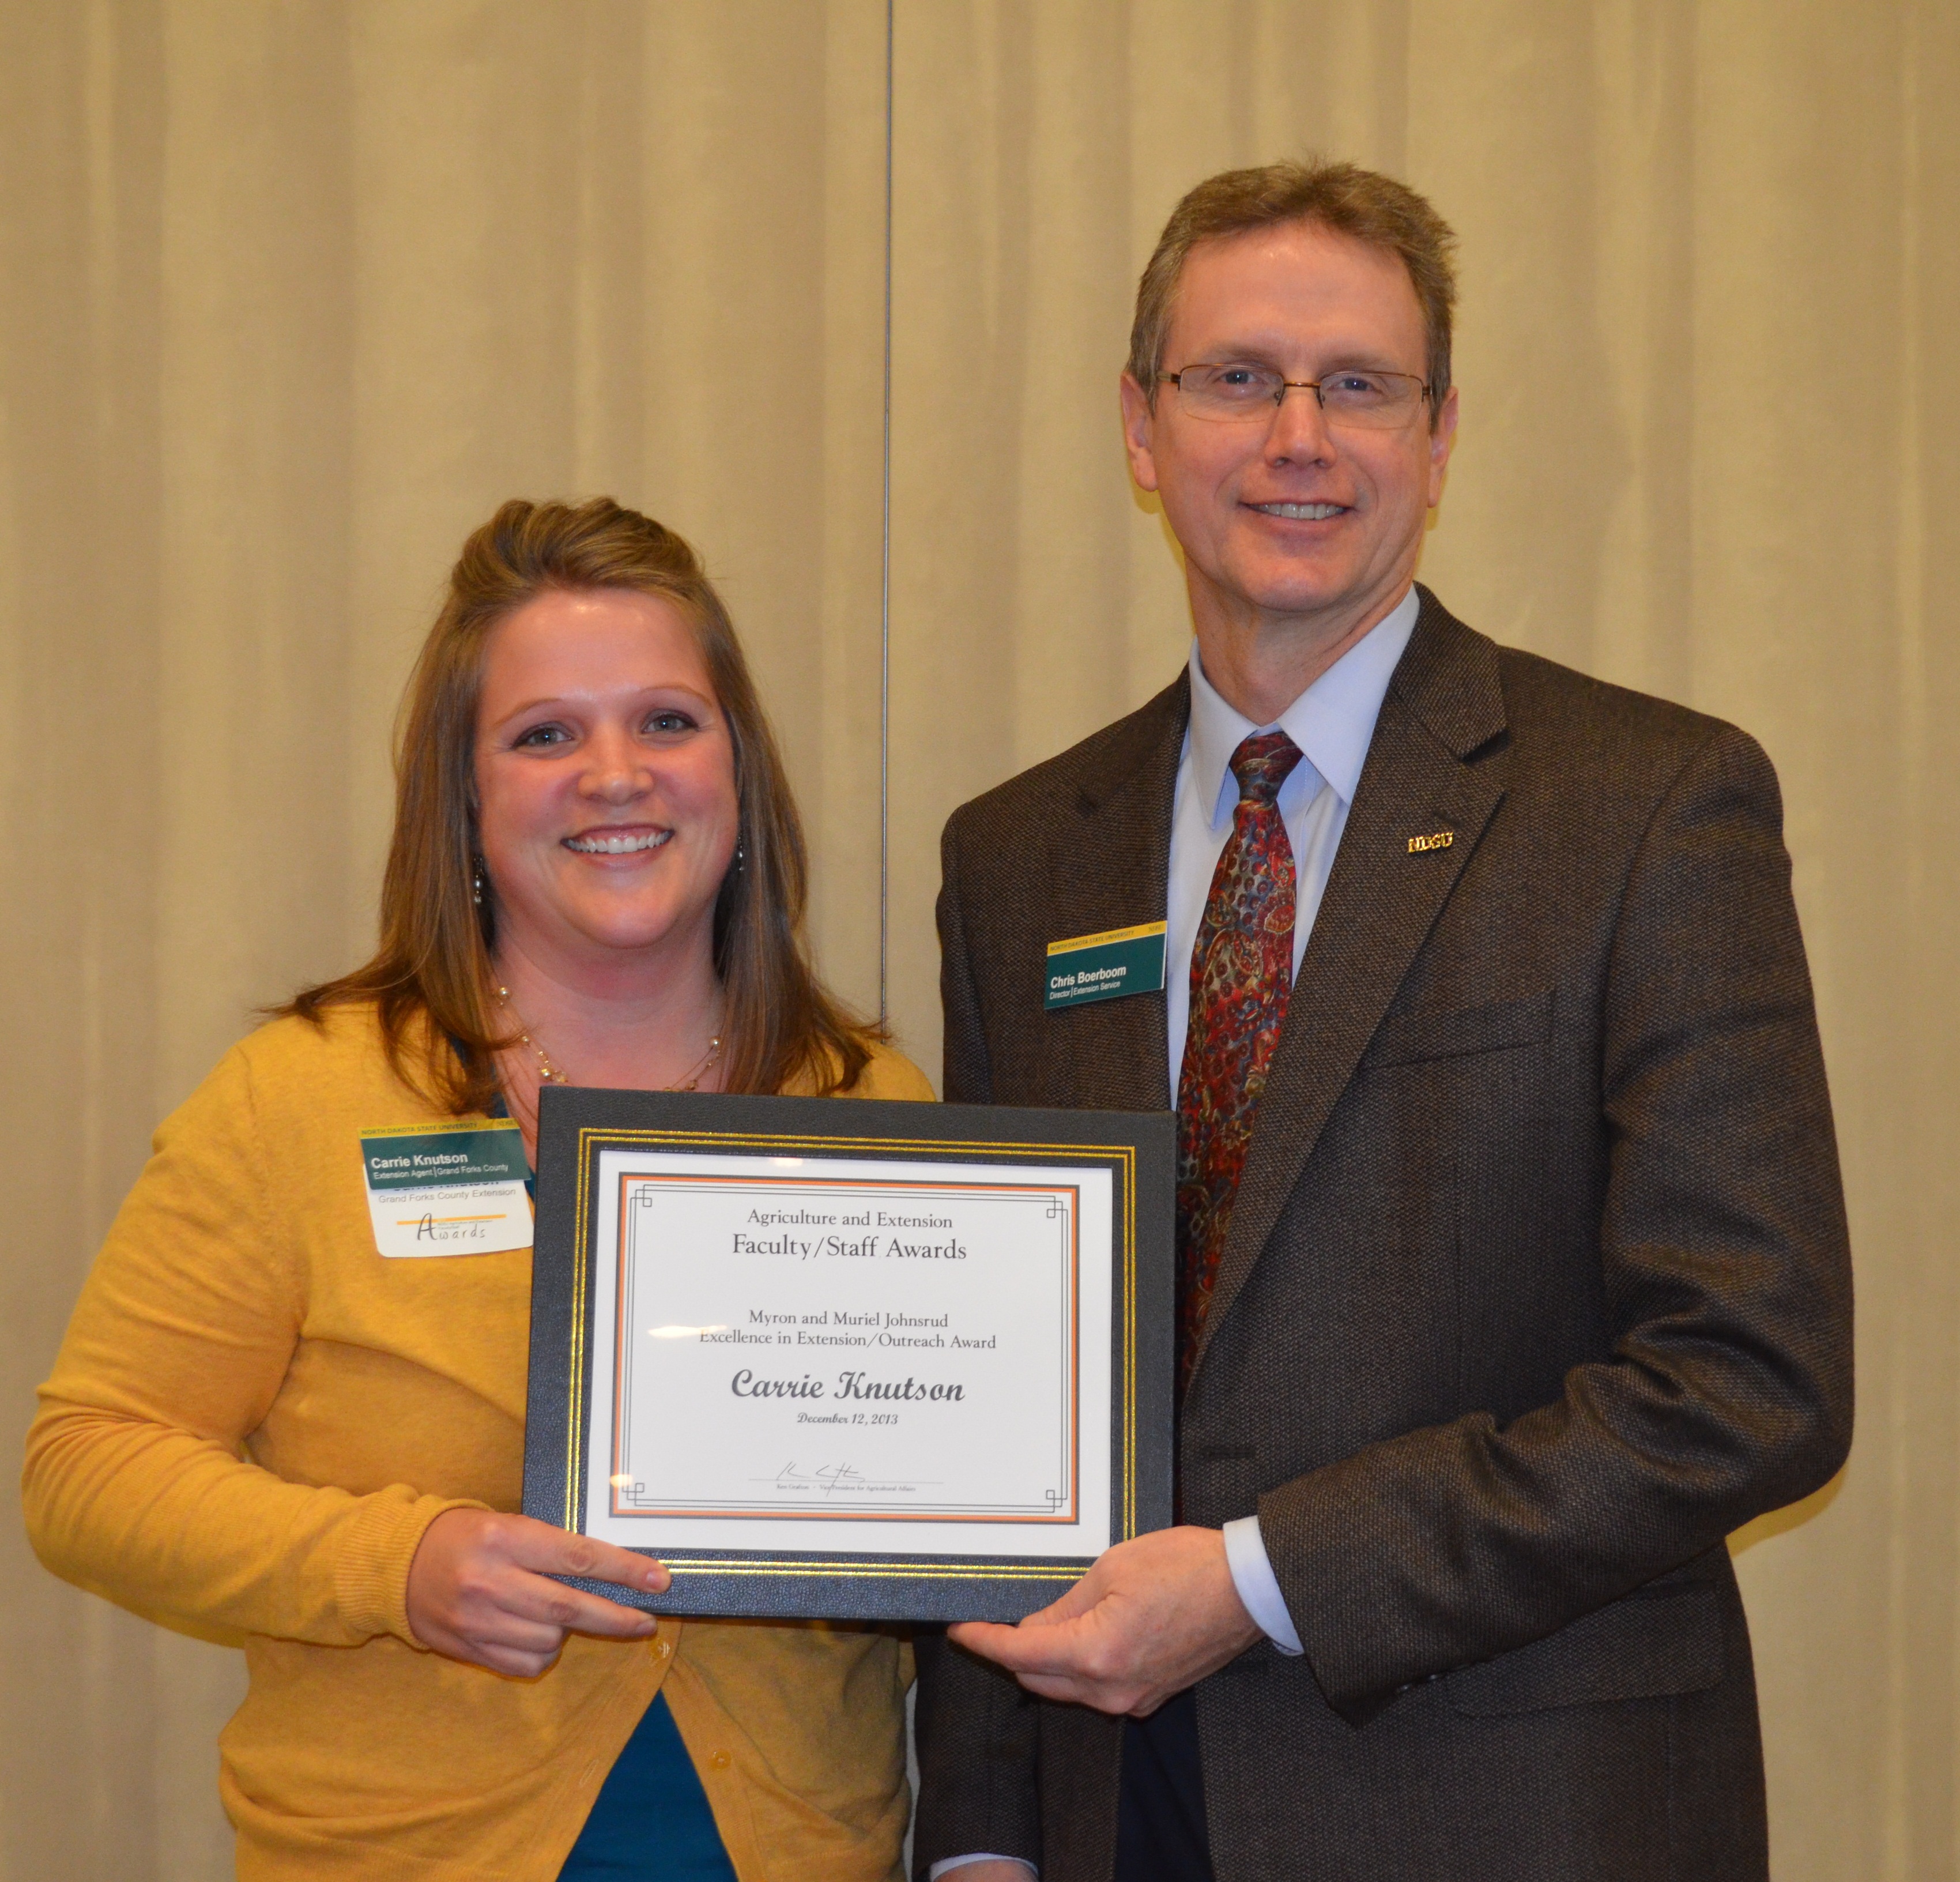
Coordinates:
column 904, row 1351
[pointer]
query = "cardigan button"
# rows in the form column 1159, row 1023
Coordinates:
column 721, row 1761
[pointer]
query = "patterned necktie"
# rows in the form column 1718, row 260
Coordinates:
column 1241, row 973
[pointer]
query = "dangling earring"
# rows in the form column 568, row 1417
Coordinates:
column 476, row 882
column 741, row 859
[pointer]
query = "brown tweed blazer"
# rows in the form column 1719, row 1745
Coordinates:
column 1537, row 1287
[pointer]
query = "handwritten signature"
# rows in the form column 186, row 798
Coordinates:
column 829, row 1478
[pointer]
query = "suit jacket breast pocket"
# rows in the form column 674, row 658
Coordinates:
column 1461, row 1032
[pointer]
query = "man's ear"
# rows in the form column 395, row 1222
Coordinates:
column 1442, row 440
column 1139, row 430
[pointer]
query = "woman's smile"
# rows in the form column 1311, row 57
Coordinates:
column 613, row 842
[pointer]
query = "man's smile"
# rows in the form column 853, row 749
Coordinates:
column 1301, row 512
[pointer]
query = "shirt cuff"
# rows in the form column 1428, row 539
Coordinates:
column 948, row 1864
column 1258, row 1586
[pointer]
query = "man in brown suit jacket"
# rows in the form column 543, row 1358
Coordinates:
column 1534, row 1285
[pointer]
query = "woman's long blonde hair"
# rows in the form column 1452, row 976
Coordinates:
column 434, row 962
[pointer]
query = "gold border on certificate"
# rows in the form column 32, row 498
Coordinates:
column 592, row 1139
column 1063, row 1505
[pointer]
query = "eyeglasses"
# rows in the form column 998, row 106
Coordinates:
column 1354, row 399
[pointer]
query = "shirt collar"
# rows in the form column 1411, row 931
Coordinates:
column 1332, row 722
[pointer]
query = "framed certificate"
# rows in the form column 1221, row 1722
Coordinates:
column 856, row 1359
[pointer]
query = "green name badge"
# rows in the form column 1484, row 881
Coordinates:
column 457, row 1191
column 1105, row 966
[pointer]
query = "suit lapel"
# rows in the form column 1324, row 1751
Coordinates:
column 1109, row 867
column 1444, row 707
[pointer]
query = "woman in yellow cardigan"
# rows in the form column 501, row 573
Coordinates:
column 259, row 1420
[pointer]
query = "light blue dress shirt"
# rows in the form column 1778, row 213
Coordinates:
column 1333, row 723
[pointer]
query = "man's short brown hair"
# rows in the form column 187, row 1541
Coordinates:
column 1362, row 203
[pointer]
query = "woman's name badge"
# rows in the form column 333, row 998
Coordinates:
column 447, row 1192
column 1105, row 967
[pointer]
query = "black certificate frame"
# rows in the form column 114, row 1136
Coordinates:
column 577, row 1125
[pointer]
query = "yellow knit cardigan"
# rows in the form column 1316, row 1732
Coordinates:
column 252, row 1419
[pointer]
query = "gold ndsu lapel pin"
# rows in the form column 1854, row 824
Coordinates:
column 1440, row 839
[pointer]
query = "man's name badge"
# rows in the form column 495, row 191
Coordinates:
column 457, row 1191
column 1105, row 967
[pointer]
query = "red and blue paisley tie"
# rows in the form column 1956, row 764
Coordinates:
column 1241, row 974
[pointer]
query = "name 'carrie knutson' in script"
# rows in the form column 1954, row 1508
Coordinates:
column 746, row 1384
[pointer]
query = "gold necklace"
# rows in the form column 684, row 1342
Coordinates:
column 549, row 1074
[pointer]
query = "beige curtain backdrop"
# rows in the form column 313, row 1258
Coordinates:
column 291, row 295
